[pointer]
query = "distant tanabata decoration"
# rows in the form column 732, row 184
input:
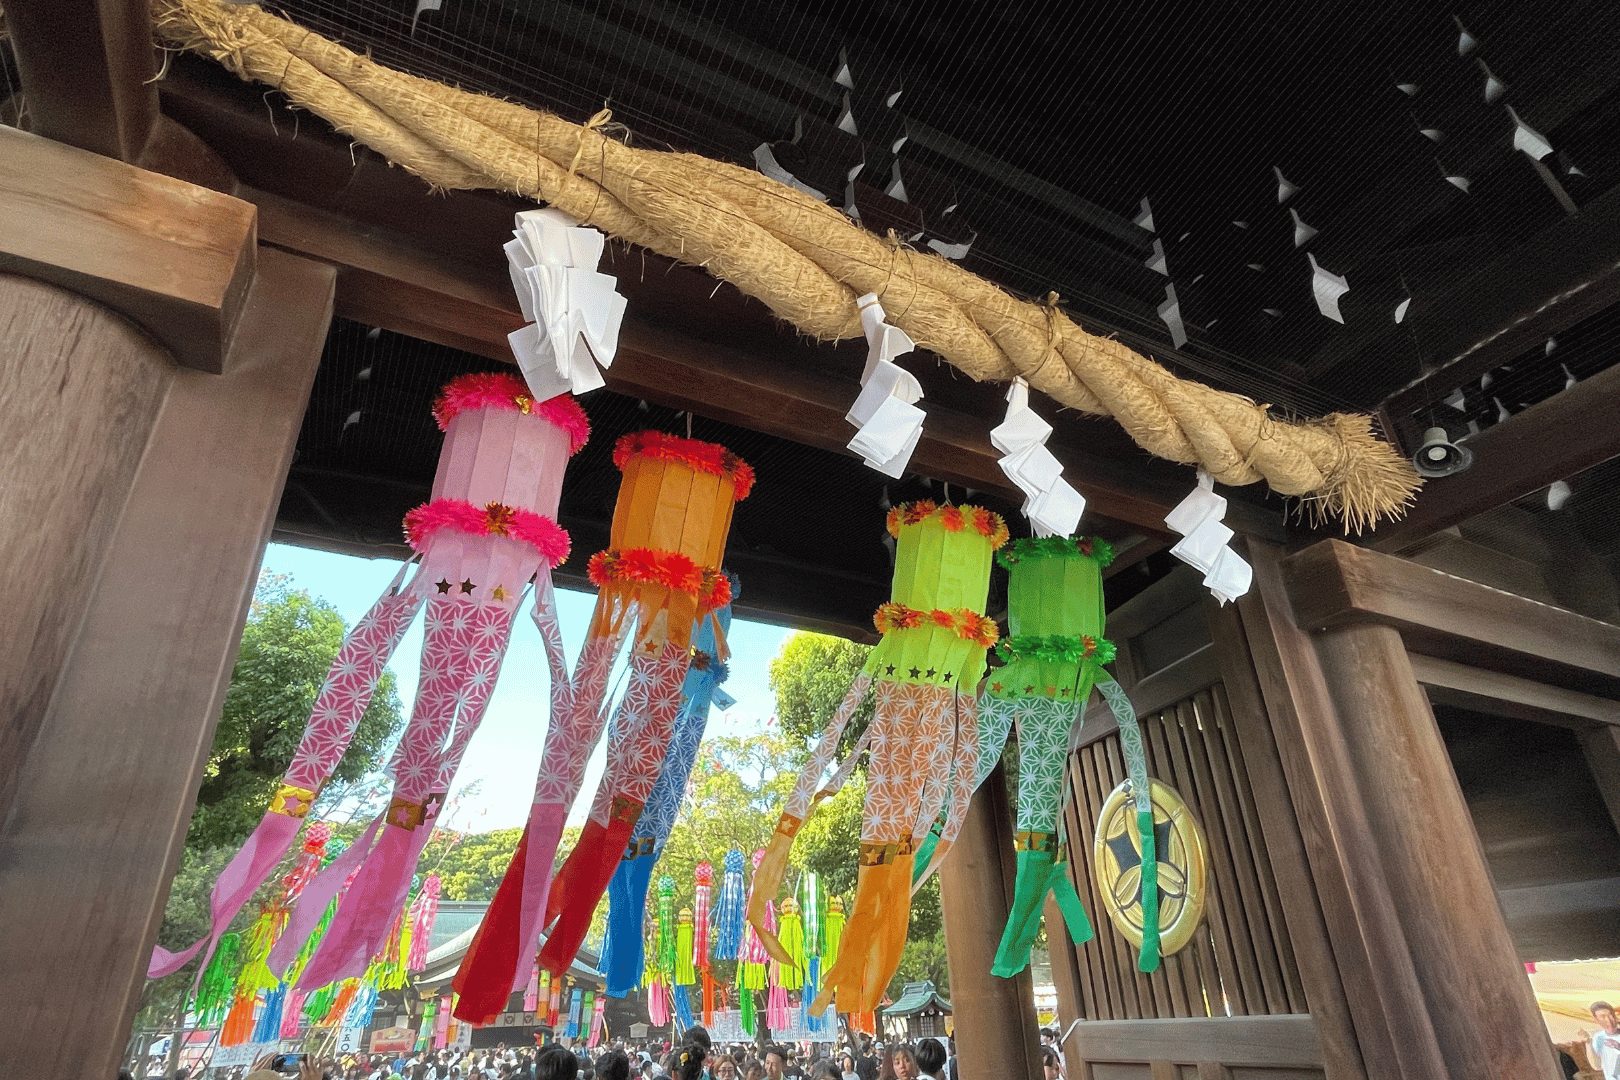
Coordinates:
column 659, row 575
column 488, row 530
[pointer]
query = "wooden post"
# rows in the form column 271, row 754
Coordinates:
column 102, row 798
column 996, row 1031
column 1406, row 896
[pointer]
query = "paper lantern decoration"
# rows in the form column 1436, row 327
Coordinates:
column 423, row 916
column 703, row 884
column 684, row 976
column 659, row 575
column 923, row 675
column 1053, row 655
column 598, row 1020
column 627, row 890
column 488, row 529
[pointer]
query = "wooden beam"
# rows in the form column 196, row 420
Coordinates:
column 1601, row 746
column 1508, row 306
column 778, row 385
column 1282, row 1041
column 1393, row 1034
column 88, row 70
column 83, row 389
column 1551, row 440
column 173, row 258
column 100, row 814
column 1333, row 583
column 1510, row 695
column 1427, row 858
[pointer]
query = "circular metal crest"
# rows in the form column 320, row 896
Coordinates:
column 1183, row 861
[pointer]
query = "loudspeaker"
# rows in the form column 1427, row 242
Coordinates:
column 1439, row 456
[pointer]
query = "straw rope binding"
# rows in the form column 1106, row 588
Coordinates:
column 802, row 258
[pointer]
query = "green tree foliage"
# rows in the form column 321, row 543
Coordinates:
column 287, row 646
column 809, row 678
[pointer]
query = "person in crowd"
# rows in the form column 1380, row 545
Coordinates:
column 752, row 1069
column 775, row 1062
column 1051, row 1064
column 556, row 1063
column 725, row 1067
column 846, row 1066
column 1606, row 1041
column 687, row 1063
column 931, row 1060
column 613, row 1065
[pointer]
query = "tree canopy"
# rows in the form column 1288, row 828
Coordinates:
column 288, row 645
column 809, row 678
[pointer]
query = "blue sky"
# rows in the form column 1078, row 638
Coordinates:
column 505, row 753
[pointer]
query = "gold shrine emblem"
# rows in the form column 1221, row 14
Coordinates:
column 1183, row 861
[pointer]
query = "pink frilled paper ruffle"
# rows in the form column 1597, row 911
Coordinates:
column 500, row 390
column 547, row 538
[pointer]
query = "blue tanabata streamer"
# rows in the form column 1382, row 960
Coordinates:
column 268, row 1027
column 729, row 910
column 574, row 1001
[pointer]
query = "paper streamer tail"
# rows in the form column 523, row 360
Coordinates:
column 502, row 952
column 248, row 869
column 767, row 882
column 1070, row 905
column 584, row 889
column 873, row 938
column 1148, row 960
column 1038, row 876
column 683, row 1006
column 925, row 856
column 310, row 911
column 625, row 956
column 366, row 914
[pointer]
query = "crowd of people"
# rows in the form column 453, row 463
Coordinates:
column 695, row 1057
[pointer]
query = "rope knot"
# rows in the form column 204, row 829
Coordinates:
column 597, row 122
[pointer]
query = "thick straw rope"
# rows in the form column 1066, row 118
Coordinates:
column 803, row 259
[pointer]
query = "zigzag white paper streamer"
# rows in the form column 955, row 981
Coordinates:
column 1205, row 541
column 1052, row 505
column 886, row 412
column 574, row 312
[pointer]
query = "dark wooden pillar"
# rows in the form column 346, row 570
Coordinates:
column 101, row 803
column 1432, row 981
column 996, row 1030
column 139, row 497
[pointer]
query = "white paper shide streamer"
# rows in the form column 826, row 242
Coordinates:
column 886, row 411
column 1051, row 504
column 573, row 310
column 1205, row 541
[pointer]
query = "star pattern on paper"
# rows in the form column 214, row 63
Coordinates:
column 798, row 802
column 1043, row 752
column 574, row 730
column 467, row 586
column 350, row 682
column 443, row 585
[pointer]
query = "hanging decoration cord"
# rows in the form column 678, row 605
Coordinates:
column 802, row 258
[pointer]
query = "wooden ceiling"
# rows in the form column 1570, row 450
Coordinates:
column 1047, row 126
